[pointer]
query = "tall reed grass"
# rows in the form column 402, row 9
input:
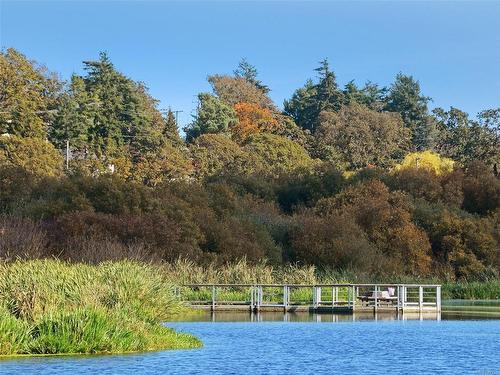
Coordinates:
column 50, row 306
column 242, row 272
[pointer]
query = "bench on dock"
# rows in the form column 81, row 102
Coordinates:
column 383, row 296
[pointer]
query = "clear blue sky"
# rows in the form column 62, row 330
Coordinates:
column 452, row 48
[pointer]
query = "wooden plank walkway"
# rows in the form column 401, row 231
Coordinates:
column 346, row 298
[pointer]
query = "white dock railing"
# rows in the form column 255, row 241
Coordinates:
column 376, row 297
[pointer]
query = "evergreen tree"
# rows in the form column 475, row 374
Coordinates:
column 75, row 117
column 249, row 72
column 108, row 115
column 309, row 101
column 370, row 95
column 328, row 95
column 300, row 107
column 212, row 117
column 405, row 98
column 170, row 128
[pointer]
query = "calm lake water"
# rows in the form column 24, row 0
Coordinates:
column 273, row 343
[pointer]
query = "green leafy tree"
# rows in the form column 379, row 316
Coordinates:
column 217, row 154
column 166, row 164
column 356, row 137
column 212, row 117
column 28, row 95
column 465, row 140
column 34, row 155
column 278, row 154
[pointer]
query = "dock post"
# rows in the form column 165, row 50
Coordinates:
column 260, row 296
column 213, row 297
column 398, row 298
column 285, row 297
column 404, row 298
column 316, row 296
column 353, row 298
column 438, row 298
column 376, row 298
column 420, row 298
column 252, row 298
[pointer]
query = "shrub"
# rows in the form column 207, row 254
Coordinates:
column 35, row 155
column 427, row 160
column 21, row 238
column 217, row 154
column 332, row 241
column 481, row 189
column 278, row 154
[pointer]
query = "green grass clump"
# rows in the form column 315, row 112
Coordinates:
column 53, row 307
column 472, row 290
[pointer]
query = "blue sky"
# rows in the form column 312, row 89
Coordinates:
column 452, row 48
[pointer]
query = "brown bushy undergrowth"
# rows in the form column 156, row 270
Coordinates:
column 372, row 223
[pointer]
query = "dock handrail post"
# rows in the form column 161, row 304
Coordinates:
column 353, row 298
column 213, row 297
column 404, row 297
column 261, row 302
column 376, row 298
column 398, row 297
column 252, row 297
column 420, row 298
column 285, row 297
column 438, row 298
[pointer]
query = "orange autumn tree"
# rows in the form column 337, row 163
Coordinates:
column 252, row 119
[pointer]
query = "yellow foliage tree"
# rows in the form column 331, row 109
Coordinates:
column 427, row 160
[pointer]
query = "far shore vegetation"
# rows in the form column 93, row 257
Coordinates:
column 105, row 205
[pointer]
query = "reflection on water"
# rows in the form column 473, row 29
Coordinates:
column 452, row 310
column 276, row 316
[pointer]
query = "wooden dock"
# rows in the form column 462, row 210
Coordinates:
column 337, row 298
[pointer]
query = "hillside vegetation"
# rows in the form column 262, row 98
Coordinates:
column 360, row 179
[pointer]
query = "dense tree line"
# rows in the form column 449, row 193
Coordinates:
column 360, row 178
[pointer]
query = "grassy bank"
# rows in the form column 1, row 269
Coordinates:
column 52, row 307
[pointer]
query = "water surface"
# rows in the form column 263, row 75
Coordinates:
column 303, row 344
